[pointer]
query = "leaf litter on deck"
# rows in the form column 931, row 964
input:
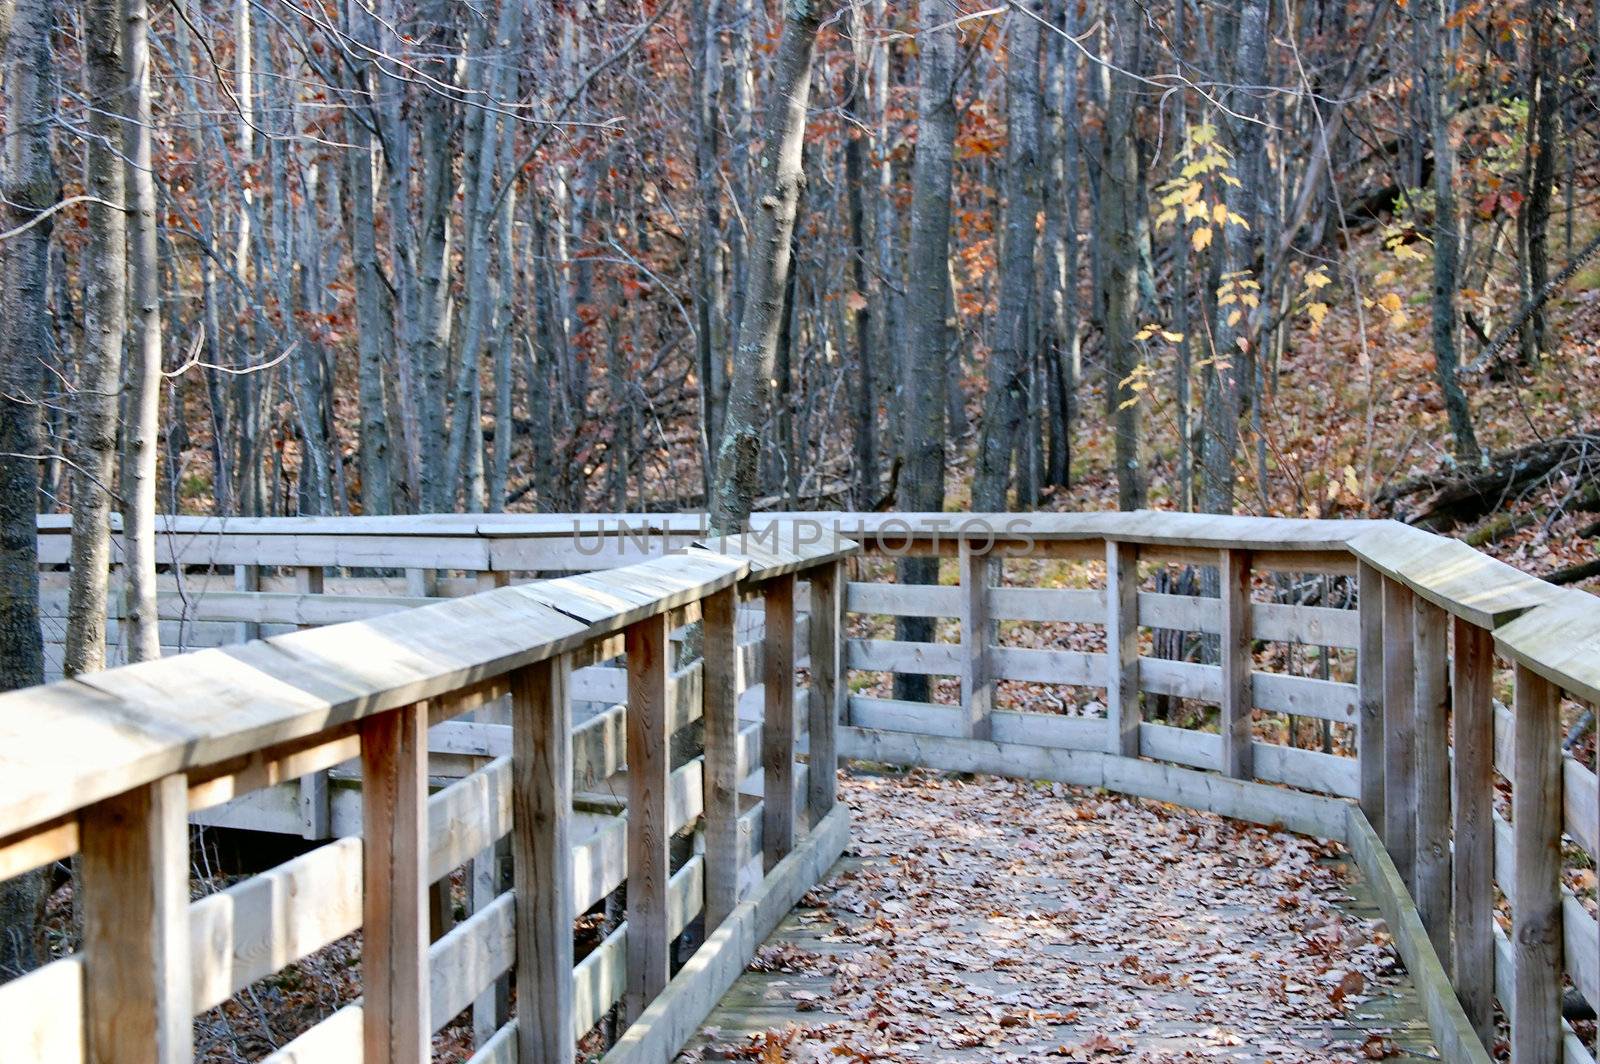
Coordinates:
column 995, row 920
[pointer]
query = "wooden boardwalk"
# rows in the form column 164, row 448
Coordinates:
column 1092, row 928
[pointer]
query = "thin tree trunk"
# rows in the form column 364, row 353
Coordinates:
column 1006, row 405
column 1118, row 225
column 105, row 321
column 1446, row 232
column 855, row 169
column 139, row 462
column 772, row 230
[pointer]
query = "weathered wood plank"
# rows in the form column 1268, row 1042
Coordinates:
column 1560, row 642
column 826, row 700
column 394, row 776
column 1048, row 604
column 1071, row 667
column 885, row 655
column 1452, row 1030
column 134, row 879
column 977, row 634
column 41, row 1013
column 1431, row 708
column 1536, row 833
column 1472, row 892
column 890, row 714
column 778, row 720
column 719, row 640
column 541, row 859
column 1369, row 684
column 649, row 769
column 903, row 600
column 1122, row 648
column 1237, row 663
column 1399, row 731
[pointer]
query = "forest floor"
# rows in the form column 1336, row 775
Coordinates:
column 999, row 921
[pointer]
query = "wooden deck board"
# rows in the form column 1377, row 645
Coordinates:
column 1172, row 1021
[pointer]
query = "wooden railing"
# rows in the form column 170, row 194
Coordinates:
column 109, row 767
column 1402, row 668
column 1334, row 677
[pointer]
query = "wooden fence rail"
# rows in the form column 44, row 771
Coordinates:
column 1359, row 680
column 110, row 766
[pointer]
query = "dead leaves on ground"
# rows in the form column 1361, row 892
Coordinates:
column 1000, row 921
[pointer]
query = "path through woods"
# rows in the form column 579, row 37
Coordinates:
column 993, row 920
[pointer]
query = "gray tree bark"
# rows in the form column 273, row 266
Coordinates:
column 105, row 321
column 1118, row 222
column 30, row 186
column 1006, row 404
column 782, row 178
column 1446, row 232
column 140, row 621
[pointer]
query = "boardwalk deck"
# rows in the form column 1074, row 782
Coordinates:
column 1076, row 934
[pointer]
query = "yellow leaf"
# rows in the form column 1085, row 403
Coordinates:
column 1219, row 213
column 1191, row 211
column 1172, row 337
column 1318, row 311
column 1201, row 238
column 1229, row 179
column 1167, row 217
column 1204, row 133
column 1316, row 279
column 1390, row 301
column 1351, row 483
column 1233, row 317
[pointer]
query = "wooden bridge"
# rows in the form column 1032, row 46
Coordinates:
column 422, row 702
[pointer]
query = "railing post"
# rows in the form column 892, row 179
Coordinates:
column 977, row 686
column 1369, row 684
column 1473, row 883
column 541, row 852
column 649, row 776
column 1399, row 733
column 1237, row 664
column 316, row 815
column 1122, row 648
column 1431, row 694
column 778, row 721
column 246, row 578
column 135, row 883
column 1536, row 921
column 824, row 702
column 394, row 951
column 720, row 665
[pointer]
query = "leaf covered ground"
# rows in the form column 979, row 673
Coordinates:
column 994, row 920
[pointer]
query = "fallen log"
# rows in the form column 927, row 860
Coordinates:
column 1450, row 500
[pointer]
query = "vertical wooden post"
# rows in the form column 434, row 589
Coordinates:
column 1369, row 685
column 649, row 767
column 246, row 578
column 977, row 685
column 394, row 951
column 485, row 874
column 135, row 884
column 1122, row 648
column 822, row 706
column 778, row 721
column 720, row 662
column 1536, row 921
column 1473, row 882
column 1399, row 733
column 541, row 851
column 316, row 814
column 1430, row 633
column 1238, row 697
column 422, row 583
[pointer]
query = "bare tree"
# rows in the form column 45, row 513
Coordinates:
column 105, row 314
column 141, row 621
column 1005, row 405
column 772, row 231
column 30, row 187
column 1118, row 222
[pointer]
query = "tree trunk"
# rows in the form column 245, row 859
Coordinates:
column 1006, row 404
column 1118, row 225
column 30, row 186
column 855, row 170
column 773, row 227
column 105, row 321
column 1446, row 232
